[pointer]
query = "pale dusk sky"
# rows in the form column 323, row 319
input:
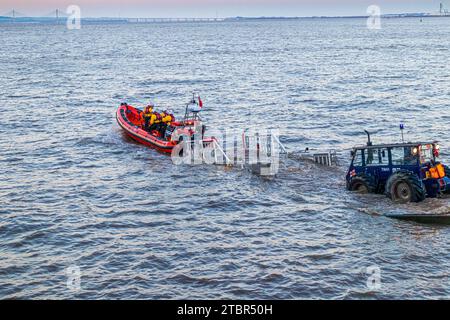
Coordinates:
column 221, row 8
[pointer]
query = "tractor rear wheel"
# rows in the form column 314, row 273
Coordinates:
column 405, row 186
column 362, row 184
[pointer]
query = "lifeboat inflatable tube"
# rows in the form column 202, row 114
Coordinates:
column 129, row 119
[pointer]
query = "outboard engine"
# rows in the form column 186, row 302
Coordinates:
column 169, row 131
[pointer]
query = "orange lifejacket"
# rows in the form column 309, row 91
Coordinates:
column 437, row 172
column 441, row 170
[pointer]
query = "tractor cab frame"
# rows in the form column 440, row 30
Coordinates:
column 405, row 172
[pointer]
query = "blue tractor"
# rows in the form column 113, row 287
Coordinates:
column 405, row 172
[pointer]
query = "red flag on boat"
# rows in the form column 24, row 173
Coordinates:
column 200, row 102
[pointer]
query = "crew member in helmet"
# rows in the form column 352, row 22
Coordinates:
column 147, row 115
column 155, row 121
column 167, row 119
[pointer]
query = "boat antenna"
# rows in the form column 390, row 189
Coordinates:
column 402, row 127
column 187, row 112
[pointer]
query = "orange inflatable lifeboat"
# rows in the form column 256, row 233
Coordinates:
column 130, row 119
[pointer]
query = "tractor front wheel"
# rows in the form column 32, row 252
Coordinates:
column 362, row 184
column 405, row 187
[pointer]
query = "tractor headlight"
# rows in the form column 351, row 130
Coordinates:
column 436, row 151
column 415, row 151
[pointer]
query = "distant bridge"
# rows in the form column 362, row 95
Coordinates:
column 56, row 14
column 171, row 20
column 14, row 14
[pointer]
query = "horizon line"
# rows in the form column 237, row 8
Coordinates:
column 64, row 15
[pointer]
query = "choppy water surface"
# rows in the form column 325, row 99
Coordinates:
column 75, row 192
